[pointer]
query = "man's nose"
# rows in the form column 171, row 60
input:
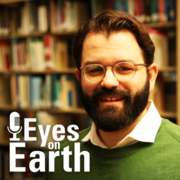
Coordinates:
column 109, row 80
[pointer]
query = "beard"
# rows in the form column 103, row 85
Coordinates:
column 110, row 118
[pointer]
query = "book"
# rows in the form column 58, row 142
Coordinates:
column 35, row 91
column 49, row 58
column 57, row 102
column 14, row 54
column 42, row 18
column 61, row 54
column 131, row 7
column 163, row 16
column 147, row 11
column 5, row 55
column 160, row 40
column 137, row 9
column 13, row 85
column 39, row 55
column 68, row 93
column 5, row 98
column 48, row 91
column 154, row 11
column 171, row 10
column 24, row 94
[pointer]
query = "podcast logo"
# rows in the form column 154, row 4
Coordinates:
column 15, row 128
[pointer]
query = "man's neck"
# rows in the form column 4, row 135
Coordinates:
column 110, row 139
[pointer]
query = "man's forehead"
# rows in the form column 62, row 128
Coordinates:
column 118, row 46
column 113, row 39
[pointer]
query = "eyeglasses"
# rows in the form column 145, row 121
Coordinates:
column 123, row 71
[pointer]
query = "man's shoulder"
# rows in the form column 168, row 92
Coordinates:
column 82, row 134
column 172, row 129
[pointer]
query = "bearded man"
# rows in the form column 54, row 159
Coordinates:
column 128, row 138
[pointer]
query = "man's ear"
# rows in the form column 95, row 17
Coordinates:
column 77, row 73
column 153, row 72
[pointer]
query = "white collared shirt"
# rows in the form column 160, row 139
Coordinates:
column 144, row 131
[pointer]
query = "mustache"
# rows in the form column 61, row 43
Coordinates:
column 111, row 92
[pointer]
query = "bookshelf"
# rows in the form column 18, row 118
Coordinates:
column 69, row 34
column 67, row 71
column 78, row 114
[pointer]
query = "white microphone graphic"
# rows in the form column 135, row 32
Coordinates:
column 14, row 123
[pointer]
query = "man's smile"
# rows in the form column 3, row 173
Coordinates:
column 111, row 98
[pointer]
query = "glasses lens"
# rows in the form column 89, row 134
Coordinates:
column 124, row 71
column 94, row 72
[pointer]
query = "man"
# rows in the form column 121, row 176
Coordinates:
column 128, row 138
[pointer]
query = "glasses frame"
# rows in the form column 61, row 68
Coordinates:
column 135, row 69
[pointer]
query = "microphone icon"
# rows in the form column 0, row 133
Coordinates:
column 14, row 123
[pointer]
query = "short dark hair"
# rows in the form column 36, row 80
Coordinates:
column 114, row 21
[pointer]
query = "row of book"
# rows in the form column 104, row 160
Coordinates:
column 33, row 17
column 37, row 54
column 67, row 15
column 49, row 91
column 25, row 19
column 146, row 11
column 169, row 76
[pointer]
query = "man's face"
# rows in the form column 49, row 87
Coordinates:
column 111, row 103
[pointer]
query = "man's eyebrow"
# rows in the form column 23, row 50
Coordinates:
column 119, row 60
column 91, row 62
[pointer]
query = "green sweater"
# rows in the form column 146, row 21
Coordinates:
column 158, row 160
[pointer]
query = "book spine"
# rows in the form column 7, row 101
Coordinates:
column 117, row 5
column 48, row 52
column 154, row 11
column 162, row 13
column 131, row 7
column 137, row 9
column 42, row 19
column 171, row 10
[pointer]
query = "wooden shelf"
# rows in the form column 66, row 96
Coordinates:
column 69, row 70
column 11, row 1
column 161, row 25
column 23, row 35
column 39, row 34
column 65, row 33
column 49, row 110
column 167, row 69
column 168, row 114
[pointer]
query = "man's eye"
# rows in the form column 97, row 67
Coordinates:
column 96, row 70
column 120, row 68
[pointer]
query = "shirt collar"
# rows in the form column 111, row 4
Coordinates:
column 145, row 131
